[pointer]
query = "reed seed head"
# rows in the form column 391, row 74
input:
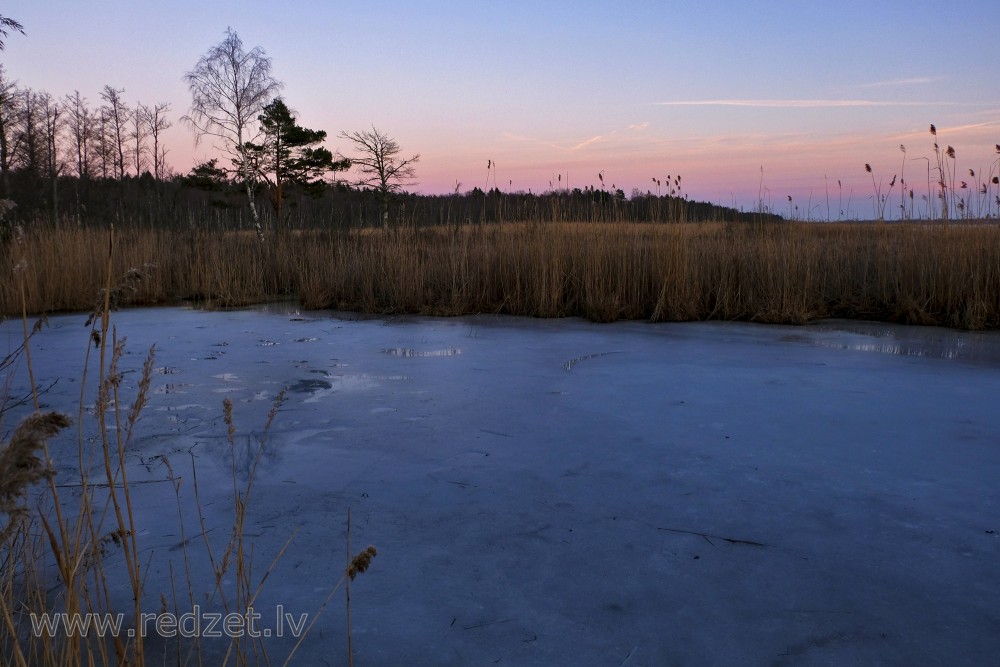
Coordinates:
column 361, row 562
column 21, row 467
column 227, row 414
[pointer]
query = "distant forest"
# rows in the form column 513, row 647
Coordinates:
column 192, row 201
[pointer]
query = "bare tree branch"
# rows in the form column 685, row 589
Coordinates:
column 5, row 25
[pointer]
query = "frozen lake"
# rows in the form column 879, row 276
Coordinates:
column 550, row 492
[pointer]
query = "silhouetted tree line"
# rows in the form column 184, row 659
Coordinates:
column 48, row 143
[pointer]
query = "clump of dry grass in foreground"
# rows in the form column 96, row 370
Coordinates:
column 944, row 274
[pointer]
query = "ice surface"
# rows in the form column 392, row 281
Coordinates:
column 560, row 492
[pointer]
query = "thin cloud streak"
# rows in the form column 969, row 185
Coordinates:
column 612, row 136
column 801, row 104
column 917, row 80
column 584, row 144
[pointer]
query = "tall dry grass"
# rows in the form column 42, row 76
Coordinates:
column 945, row 274
column 63, row 267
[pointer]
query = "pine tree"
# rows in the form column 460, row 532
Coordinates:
column 289, row 155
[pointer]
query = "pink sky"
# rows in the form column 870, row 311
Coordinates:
column 637, row 90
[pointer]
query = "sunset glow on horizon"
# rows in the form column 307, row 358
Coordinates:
column 746, row 101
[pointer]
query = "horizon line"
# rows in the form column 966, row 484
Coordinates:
column 808, row 103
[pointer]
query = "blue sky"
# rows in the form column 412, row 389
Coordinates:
column 715, row 91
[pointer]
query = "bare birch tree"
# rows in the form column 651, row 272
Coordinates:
column 117, row 115
column 81, row 125
column 229, row 88
column 104, row 152
column 157, row 122
column 381, row 165
column 9, row 112
column 29, row 144
column 138, row 133
column 52, row 125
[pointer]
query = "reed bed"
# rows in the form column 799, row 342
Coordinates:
column 792, row 272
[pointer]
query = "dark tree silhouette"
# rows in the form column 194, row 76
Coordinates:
column 9, row 113
column 207, row 176
column 157, row 122
column 117, row 115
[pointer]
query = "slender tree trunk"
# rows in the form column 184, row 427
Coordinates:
column 278, row 196
column 4, row 183
column 76, row 192
column 248, row 185
column 253, row 209
column 4, row 148
column 385, row 208
column 55, row 198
